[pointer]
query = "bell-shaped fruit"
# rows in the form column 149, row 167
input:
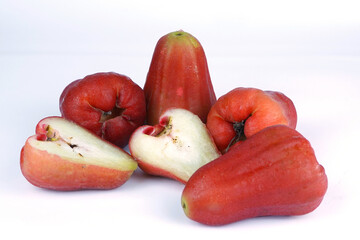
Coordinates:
column 175, row 148
column 178, row 77
column 242, row 112
column 64, row 156
column 109, row 104
column 274, row 172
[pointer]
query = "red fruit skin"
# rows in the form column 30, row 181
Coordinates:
column 50, row 171
column 274, row 172
column 178, row 77
column 109, row 104
column 259, row 109
column 155, row 171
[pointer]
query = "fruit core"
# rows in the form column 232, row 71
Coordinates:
column 164, row 127
column 52, row 135
column 166, row 124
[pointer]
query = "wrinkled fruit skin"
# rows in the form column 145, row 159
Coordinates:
column 109, row 104
column 178, row 78
column 274, row 172
column 252, row 109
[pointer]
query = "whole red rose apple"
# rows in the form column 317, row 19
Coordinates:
column 274, row 172
column 178, row 77
column 242, row 112
column 109, row 104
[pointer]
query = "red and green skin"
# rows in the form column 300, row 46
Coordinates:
column 110, row 105
column 274, row 172
column 242, row 112
column 178, row 77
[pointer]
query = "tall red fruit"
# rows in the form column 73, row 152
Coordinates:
column 178, row 77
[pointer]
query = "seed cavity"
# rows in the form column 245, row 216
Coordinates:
column 167, row 128
column 53, row 136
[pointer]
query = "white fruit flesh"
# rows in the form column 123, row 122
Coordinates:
column 181, row 148
column 74, row 143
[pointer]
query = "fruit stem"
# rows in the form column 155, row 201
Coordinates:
column 113, row 113
column 239, row 128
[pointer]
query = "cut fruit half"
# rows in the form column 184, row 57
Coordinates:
column 65, row 156
column 176, row 147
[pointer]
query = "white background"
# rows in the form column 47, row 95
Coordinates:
column 309, row 50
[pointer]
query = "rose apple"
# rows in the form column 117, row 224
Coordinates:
column 64, row 156
column 174, row 148
column 178, row 77
column 108, row 104
column 274, row 172
column 243, row 112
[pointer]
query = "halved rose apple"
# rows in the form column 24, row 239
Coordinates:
column 65, row 156
column 176, row 147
